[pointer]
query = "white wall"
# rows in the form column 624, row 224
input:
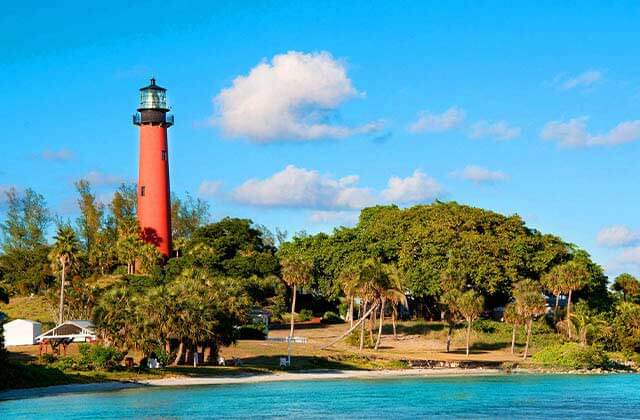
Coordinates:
column 21, row 332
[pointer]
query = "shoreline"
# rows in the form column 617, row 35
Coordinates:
column 311, row 375
column 181, row 381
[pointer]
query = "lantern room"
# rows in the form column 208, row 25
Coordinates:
column 153, row 106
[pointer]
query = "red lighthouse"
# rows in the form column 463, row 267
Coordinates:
column 154, row 205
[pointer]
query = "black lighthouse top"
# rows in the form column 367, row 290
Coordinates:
column 153, row 106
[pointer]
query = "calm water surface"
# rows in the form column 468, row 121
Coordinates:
column 517, row 396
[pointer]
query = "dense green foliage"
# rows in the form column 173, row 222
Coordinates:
column 442, row 261
column 572, row 356
column 428, row 241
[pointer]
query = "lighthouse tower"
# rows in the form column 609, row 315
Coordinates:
column 154, row 205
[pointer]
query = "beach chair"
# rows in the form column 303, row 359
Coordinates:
column 284, row 362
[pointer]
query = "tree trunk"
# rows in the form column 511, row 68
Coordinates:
column 167, row 346
column 293, row 308
column 362, row 326
column 62, row 280
column 380, row 327
column 468, row 334
column 351, row 312
column 555, row 310
column 569, row 314
column 526, row 347
column 393, row 322
column 449, row 333
column 513, row 339
column 179, row 355
column 356, row 325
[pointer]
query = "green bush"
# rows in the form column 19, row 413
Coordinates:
column 331, row 318
column 47, row 358
column 252, row 332
column 98, row 357
column 485, row 325
column 163, row 357
column 305, row 315
column 572, row 356
column 64, row 363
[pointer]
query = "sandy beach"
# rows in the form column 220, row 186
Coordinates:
column 246, row 379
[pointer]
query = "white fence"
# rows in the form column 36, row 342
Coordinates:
column 294, row 340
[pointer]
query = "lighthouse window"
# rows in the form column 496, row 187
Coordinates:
column 142, row 191
column 164, row 155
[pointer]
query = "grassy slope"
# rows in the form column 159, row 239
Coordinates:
column 35, row 308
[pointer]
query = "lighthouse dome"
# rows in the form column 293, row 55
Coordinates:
column 153, row 97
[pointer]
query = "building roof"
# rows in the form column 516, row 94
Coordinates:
column 69, row 329
column 153, row 86
column 28, row 321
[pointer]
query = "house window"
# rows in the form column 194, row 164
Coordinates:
column 142, row 191
column 164, row 155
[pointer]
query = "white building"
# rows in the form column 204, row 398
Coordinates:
column 21, row 332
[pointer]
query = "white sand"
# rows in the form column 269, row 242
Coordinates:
column 319, row 375
column 248, row 378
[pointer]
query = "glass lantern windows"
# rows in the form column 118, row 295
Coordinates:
column 153, row 99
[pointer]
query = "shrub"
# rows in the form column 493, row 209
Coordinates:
column 47, row 358
column 331, row 318
column 485, row 326
column 99, row 357
column 64, row 363
column 572, row 356
column 305, row 315
column 164, row 358
column 252, row 332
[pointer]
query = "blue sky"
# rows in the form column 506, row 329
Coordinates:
column 296, row 114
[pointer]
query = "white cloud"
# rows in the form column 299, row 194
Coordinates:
column 434, row 123
column 617, row 236
column 348, row 218
column 573, row 133
column 97, row 178
column 302, row 188
column 629, row 258
column 480, row 175
column 499, row 129
column 584, row 79
column 290, row 98
column 209, row 188
column 412, row 189
column 61, row 155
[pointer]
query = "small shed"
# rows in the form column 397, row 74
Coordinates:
column 21, row 332
column 78, row 331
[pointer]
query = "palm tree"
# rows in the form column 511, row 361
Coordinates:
column 449, row 300
column 396, row 296
column 349, row 279
column 371, row 280
column 530, row 303
column 513, row 317
column 628, row 285
column 62, row 255
column 574, row 277
column 296, row 271
column 553, row 281
column 470, row 305
column 585, row 322
column 389, row 289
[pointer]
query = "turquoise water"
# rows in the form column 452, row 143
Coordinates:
column 516, row 396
